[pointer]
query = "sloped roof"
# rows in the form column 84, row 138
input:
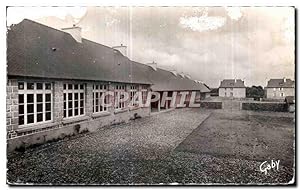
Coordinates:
column 36, row 50
column 279, row 83
column 232, row 83
column 166, row 81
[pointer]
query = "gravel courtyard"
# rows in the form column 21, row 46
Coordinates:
column 170, row 147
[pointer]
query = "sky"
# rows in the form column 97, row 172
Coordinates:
column 207, row 43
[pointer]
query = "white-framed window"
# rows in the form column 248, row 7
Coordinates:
column 280, row 89
column 35, row 102
column 119, row 94
column 74, row 100
column 144, row 90
column 98, row 98
column 282, row 94
column 133, row 91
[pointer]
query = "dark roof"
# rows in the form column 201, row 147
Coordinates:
column 232, row 83
column 36, row 50
column 279, row 83
column 290, row 99
column 166, row 81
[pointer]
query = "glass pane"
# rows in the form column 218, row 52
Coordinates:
column 48, row 97
column 65, row 105
column 70, row 104
column 21, row 120
column 65, row 86
column 81, row 103
column 29, row 98
column 70, row 86
column 21, row 98
column 70, row 96
column 39, row 86
column 21, row 85
column 65, row 112
column 70, row 113
column 39, row 107
column 21, row 109
column 97, row 109
column 81, row 86
column 30, row 86
column 65, row 97
column 48, row 86
column 39, row 117
column 29, row 108
column 81, row 111
column 81, row 95
column 76, row 86
column 48, row 116
column 76, row 112
column 30, row 119
column 39, row 97
column 48, row 106
column 76, row 96
column 76, row 104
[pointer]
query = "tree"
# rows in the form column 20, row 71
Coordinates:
column 255, row 92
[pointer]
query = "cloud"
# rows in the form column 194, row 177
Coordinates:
column 202, row 23
column 234, row 12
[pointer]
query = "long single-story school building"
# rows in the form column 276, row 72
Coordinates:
column 55, row 80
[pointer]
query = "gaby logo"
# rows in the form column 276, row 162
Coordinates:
column 265, row 166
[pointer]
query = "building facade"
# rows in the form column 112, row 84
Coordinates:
column 54, row 85
column 280, row 88
column 234, row 88
column 55, row 81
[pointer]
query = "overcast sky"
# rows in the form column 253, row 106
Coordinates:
column 207, row 43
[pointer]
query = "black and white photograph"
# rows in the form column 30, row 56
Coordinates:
column 150, row 95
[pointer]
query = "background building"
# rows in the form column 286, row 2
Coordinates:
column 280, row 88
column 232, row 88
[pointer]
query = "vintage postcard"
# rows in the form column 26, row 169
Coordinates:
column 150, row 95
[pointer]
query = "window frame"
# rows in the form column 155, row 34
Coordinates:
column 100, row 88
column 119, row 90
column 35, row 92
column 133, row 90
column 144, row 90
column 73, row 91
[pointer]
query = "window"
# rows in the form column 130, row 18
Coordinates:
column 281, row 94
column 133, row 92
column 73, row 100
column 280, row 89
column 274, row 89
column 98, row 99
column 35, row 102
column 119, row 94
column 144, row 94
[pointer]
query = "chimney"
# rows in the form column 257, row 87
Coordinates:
column 75, row 32
column 284, row 79
column 234, row 80
column 122, row 49
column 153, row 65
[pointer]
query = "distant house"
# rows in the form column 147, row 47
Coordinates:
column 280, row 88
column 232, row 88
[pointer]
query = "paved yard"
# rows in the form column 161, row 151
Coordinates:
column 171, row 147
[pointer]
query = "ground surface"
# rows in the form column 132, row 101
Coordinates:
column 181, row 146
